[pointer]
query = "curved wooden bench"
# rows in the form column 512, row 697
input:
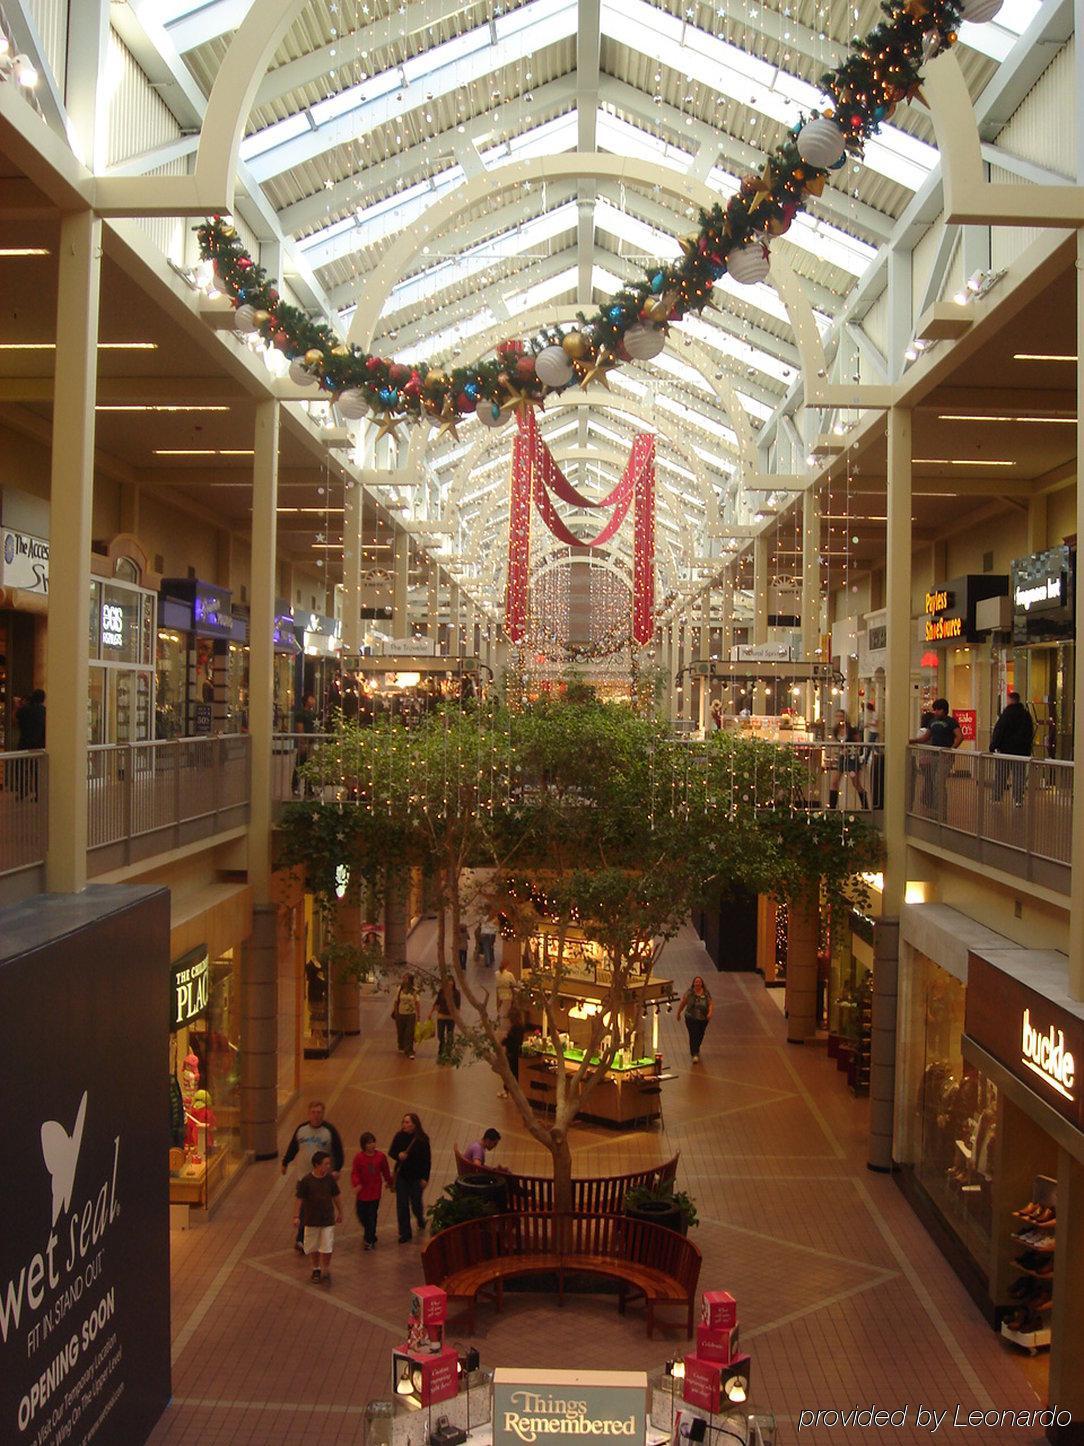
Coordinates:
column 591, row 1194
column 646, row 1260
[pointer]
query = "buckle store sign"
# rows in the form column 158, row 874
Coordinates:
column 1033, row 1037
column 531, row 1406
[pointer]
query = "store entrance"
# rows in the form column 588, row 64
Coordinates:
column 1044, row 676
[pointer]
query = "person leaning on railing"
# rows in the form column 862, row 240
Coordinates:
column 940, row 730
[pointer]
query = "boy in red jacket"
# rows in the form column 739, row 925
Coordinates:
column 368, row 1174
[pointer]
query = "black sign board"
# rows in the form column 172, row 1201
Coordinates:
column 950, row 607
column 1042, row 587
column 84, row 1253
column 189, row 987
column 210, row 607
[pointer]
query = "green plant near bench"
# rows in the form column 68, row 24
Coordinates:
column 662, row 1194
column 454, row 1209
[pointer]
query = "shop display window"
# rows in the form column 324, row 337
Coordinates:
column 96, row 706
column 236, row 720
column 957, row 1114
column 172, row 675
column 205, row 1078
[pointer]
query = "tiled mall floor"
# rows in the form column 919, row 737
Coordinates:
column 843, row 1299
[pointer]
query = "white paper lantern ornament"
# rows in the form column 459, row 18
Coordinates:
column 353, row 404
column 820, row 142
column 978, row 12
column 552, row 367
column 490, row 414
column 300, row 374
column 244, row 320
column 748, row 264
column 643, row 342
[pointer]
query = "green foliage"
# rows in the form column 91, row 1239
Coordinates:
column 663, row 1194
column 455, row 1209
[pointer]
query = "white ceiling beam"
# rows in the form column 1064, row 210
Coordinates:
column 543, row 22
column 207, row 22
column 482, row 299
column 376, row 181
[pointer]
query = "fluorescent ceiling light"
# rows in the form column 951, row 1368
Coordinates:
column 10, row 253
column 978, row 417
column 1041, row 356
column 958, row 462
column 157, row 407
column 320, row 510
column 203, row 452
column 102, row 346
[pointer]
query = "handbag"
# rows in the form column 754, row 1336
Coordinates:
column 395, row 1007
column 445, row 1434
column 425, row 1029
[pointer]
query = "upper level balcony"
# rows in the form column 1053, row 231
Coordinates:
column 1013, row 815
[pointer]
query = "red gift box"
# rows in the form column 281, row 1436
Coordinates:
column 719, row 1310
column 702, row 1385
column 429, row 1304
column 433, row 1377
column 717, row 1343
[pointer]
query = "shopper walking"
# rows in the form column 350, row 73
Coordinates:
column 405, row 1011
column 1014, row 734
column 513, row 1043
column 314, row 1133
column 697, row 1007
column 319, row 1210
column 30, row 721
column 489, row 942
column 463, row 943
column 446, row 1001
column 369, row 1173
column 412, row 1161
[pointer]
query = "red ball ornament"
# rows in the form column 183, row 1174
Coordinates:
column 464, row 404
column 272, row 297
column 413, row 386
column 244, row 262
column 525, row 367
column 373, row 364
column 397, row 372
column 280, row 340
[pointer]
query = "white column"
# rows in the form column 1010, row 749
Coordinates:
column 400, row 617
column 353, row 542
column 432, row 602
column 896, row 710
column 703, row 656
column 760, row 610
column 265, row 480
column 1076, row 896
column 67, row 670
column 455, row 637
column 811, row 589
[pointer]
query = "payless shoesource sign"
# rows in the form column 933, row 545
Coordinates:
column 538, row 1406
column 1039, row 1042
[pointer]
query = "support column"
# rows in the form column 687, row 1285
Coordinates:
column 259, row 978
column 703, row 656
column 353, row 542
column 673, row 662
column 396, row 904
column 803, row 927
column 400, row 553
column 760, row 610
column 1076, row 895
column 1066, row 1377
column 455, row 637
column 432, row 602
column 67, row 669
column 811, row 589
column 896, row 720
column 686, row 675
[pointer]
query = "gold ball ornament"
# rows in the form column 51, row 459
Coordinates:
column 313, row 357
column 436, row 378
column 656, row 308
column 576, row 345
column 228, row 231
column 261, row 318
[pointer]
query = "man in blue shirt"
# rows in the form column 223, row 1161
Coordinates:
column 313, row 1134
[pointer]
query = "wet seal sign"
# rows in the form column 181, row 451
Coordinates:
column 534, row 1406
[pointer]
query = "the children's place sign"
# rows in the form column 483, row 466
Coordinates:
column 535, row 1406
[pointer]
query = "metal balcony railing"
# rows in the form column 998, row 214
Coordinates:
column 1014, row 814
column 289, row 751
column 146, row 798
column 24, row 810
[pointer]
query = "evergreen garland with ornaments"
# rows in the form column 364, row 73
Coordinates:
column 878, row 73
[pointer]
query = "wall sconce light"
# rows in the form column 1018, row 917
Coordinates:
column 735, row 1380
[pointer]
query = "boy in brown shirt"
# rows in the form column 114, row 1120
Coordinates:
column 319, row 1211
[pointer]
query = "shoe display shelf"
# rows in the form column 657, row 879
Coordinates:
column 1034, row 1232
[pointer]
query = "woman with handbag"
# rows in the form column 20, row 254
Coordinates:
column 405, row 1012
column 412, row 1161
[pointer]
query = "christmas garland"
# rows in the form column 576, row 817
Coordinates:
column 879, row 72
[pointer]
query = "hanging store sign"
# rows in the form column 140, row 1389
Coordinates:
column 1037, row 1040
column 1042, row 594
column 532, row 1406
column 761, row 653
column 24, row 561
column 949, row 608
column 189, row 988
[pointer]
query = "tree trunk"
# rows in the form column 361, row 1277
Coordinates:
column 562, row 1186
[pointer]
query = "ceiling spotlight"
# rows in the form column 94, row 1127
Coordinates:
column 25, row 72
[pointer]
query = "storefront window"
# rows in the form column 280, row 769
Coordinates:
column 96, row 706
column 237, row 689
column 172, row 673
column 957, row 1110
column 205, row 1081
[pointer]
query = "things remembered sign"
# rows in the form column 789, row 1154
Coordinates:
column 533, row 1406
